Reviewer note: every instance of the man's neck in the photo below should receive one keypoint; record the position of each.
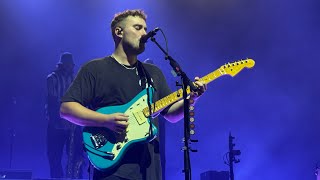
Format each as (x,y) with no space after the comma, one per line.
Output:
(124,58)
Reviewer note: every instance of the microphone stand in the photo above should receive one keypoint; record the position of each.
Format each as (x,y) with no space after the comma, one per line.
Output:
(185,83)
(232,155)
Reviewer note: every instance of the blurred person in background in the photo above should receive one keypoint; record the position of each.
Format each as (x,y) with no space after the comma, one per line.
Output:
(62,136)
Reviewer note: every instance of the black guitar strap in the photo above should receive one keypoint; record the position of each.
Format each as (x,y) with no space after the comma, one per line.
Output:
(146,82)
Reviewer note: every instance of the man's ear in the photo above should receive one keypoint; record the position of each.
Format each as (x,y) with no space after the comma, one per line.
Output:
(118,31)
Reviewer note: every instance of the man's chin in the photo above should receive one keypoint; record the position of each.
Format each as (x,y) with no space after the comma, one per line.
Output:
(140,50)
(135,49)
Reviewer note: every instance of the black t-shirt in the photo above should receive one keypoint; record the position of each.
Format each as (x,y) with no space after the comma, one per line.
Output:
(105,82)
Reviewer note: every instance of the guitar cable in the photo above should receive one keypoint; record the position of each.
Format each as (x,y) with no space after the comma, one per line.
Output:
(103,156)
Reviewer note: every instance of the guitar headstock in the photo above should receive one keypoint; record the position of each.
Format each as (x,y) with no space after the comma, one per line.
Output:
(234,68)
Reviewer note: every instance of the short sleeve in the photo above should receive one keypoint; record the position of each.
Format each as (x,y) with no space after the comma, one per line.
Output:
(82,88)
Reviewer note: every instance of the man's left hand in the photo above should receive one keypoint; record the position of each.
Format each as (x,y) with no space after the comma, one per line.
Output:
(202,87)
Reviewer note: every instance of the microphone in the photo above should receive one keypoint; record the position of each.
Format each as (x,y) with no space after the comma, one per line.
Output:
(150,34)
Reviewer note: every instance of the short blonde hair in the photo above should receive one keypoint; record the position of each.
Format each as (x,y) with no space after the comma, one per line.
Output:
(123,15)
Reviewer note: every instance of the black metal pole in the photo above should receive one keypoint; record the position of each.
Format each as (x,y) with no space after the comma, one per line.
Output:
(231,167)
(187,165)
(231,156)
(185,83)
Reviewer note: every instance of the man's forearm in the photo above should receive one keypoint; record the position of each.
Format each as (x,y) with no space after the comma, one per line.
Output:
(175,112)
(80,115)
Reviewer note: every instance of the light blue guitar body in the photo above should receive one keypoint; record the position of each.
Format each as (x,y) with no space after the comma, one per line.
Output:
(105,148)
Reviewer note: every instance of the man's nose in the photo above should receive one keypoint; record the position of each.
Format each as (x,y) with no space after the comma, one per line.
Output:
(144,32)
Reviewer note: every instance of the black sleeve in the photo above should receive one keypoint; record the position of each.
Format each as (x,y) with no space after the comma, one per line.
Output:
(82,88)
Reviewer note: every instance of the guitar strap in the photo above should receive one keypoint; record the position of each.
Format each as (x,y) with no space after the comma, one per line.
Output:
(147,82)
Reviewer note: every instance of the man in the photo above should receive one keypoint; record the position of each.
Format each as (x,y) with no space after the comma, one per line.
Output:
(62,134)
(115,80)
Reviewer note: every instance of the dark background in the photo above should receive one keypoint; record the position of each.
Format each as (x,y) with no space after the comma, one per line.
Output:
(272,109)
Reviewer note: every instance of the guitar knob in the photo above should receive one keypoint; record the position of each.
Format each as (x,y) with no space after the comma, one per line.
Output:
(118,146)
(126,140)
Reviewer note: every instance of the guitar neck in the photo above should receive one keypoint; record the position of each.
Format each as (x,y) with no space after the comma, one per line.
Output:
(177,95)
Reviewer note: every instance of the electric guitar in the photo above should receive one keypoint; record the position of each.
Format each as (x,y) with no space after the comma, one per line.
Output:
(105,148)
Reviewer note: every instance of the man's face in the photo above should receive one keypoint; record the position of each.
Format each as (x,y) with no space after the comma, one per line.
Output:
(133,28)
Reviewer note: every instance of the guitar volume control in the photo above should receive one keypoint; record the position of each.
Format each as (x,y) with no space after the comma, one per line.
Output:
(118,146)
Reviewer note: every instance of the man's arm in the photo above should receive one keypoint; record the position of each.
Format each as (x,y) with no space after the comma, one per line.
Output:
(175,113)
(80,115)
(76,112)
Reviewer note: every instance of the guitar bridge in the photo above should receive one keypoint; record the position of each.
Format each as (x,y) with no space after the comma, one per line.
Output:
(98,140)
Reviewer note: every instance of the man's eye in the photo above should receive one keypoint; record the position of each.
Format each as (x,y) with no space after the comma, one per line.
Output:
(138,27)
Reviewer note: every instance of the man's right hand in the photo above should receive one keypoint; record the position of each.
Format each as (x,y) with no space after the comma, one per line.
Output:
(117,122)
